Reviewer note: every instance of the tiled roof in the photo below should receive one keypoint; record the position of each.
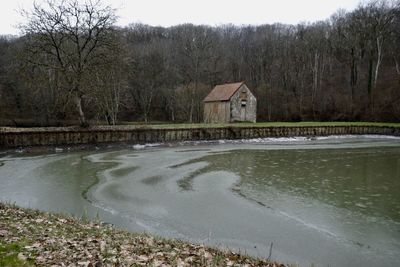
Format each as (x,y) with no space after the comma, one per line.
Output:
(222,92)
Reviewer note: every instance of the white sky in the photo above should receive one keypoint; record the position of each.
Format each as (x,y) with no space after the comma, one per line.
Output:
(211,12)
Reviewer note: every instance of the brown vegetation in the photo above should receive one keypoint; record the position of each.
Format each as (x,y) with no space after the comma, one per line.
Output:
(344,68)
(30,238)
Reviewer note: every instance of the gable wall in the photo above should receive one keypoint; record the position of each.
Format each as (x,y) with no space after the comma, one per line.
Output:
(247,113)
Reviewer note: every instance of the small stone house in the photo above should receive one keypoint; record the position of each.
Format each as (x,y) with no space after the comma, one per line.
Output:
(232,102)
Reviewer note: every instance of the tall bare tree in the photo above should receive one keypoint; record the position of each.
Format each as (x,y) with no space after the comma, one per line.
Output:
(69,37)
(195,44)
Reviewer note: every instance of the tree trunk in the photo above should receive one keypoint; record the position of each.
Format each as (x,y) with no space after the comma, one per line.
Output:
(397,68)
(107,117)
(353,81)
(370,85)
(191,110)
(270,103)
(173,114)
(315,83)
(147,105)
(379,44)
(78,105)
(192,99)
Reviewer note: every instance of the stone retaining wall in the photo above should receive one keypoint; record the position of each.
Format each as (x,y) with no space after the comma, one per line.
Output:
(13,137)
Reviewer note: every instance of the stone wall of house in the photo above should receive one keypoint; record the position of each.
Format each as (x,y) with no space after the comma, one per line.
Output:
(243,105)
(15,137)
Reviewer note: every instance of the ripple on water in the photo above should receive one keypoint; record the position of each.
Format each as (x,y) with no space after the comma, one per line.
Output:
(281,195)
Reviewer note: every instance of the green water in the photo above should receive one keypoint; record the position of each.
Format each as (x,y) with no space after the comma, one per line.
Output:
(326,202)
(363,180)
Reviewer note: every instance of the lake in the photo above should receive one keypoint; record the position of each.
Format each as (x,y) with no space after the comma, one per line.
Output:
(325,201)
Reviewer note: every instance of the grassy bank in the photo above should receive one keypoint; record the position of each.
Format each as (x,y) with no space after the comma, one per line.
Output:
(265,124)
(140,125)
(30,238)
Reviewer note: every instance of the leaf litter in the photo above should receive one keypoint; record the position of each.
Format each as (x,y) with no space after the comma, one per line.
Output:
(46,239)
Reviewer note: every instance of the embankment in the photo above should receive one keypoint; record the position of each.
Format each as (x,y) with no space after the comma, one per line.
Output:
(54,136)
(34,238)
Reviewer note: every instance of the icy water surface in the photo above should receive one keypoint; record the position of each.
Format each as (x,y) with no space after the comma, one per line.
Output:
(328,202)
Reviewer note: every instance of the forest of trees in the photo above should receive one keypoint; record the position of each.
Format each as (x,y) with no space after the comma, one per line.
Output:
(72,65)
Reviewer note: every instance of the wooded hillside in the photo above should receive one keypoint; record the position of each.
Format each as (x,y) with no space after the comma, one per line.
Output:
(75,65)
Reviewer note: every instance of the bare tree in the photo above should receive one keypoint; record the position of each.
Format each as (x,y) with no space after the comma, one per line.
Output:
(195,46)
(373,21)
(110,85)
(73,37)
(147,75)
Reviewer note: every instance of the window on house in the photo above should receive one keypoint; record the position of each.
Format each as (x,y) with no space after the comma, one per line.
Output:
(244,102)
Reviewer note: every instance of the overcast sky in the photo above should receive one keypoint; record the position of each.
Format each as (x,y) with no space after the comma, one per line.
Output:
(211,12)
